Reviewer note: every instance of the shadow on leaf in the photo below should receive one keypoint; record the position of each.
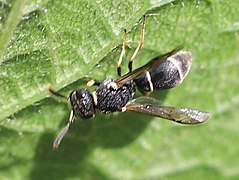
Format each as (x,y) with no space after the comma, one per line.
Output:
(106,131)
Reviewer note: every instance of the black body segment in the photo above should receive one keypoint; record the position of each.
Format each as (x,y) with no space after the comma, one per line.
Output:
(168,74)
(150,66)
(110,100)
(82,103)
(165,71)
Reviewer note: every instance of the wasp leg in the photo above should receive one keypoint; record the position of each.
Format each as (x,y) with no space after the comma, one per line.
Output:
(92,82)
(122,54)
(140,44)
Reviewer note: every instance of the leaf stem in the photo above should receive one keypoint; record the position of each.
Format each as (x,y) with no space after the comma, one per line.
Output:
(10,25)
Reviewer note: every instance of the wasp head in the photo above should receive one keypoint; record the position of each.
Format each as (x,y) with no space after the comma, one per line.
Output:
(82,103)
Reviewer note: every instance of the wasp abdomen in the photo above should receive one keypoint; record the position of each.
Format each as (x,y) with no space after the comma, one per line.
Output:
(169,74)
(111,100)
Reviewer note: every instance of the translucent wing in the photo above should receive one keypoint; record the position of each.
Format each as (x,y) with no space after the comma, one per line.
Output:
(154,63)
(148,106)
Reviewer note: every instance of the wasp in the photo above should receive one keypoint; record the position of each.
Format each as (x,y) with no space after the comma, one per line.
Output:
(112,95)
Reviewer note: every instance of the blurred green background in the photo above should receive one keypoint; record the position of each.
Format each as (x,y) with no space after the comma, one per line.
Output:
(62,42)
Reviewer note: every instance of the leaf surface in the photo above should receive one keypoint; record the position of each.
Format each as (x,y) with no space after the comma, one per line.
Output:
(62,42)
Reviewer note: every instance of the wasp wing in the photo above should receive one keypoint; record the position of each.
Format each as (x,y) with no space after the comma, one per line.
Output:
(148,106)
(154,63)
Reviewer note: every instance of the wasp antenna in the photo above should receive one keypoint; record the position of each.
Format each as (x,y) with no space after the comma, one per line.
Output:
(49,88)
(63,132)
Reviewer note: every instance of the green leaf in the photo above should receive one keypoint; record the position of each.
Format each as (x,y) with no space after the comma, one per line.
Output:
(59,44)
(19,9)
(63,42)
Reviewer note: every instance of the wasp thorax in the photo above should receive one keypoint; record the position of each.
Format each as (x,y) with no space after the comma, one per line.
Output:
(110,99)
(82,103)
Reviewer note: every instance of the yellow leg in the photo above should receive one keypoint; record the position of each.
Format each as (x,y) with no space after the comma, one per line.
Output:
(122,54)
(140,44)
